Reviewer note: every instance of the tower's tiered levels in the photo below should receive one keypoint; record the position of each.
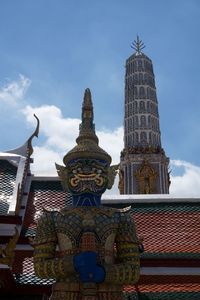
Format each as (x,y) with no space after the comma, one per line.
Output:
(144,166)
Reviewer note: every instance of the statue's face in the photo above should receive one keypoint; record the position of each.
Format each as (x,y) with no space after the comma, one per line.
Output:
(87,176)
(87,180)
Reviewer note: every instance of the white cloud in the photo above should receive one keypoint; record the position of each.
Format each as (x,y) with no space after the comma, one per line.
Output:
(112,142)
(188,183)
(14,91)
(44,161)
(60,134)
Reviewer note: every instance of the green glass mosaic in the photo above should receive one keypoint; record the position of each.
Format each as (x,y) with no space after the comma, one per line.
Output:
(159,207)
(163,296)
(163,255)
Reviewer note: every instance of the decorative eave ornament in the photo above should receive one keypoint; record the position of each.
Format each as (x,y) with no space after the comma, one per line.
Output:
(35,134)
(27,149)
(87,172)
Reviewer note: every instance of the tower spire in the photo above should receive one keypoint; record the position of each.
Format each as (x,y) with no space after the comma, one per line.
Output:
(138,45)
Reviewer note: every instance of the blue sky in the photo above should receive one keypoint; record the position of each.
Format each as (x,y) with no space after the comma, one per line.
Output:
(51,50)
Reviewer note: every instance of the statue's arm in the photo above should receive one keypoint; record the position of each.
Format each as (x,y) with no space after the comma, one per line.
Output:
(127,267)
(46,264)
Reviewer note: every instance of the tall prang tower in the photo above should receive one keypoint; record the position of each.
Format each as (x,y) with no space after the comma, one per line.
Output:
(143,163)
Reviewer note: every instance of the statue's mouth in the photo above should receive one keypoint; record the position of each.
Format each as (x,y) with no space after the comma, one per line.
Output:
(87,178)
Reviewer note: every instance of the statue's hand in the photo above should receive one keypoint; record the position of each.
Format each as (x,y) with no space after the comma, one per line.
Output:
(86,265)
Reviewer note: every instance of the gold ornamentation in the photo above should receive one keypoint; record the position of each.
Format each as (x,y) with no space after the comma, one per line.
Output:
(121,182)
(87,177)
(88,221)
(7,254)
(87,226)
(106,227)
(63,174)
(87,141)
(146,177)
(109,250)
(142,150)
(112,172)
(65,244)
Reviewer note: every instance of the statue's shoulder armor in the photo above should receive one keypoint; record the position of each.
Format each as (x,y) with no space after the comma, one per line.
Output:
(119,211)
(48,216)
(109,211)
(125,210)
(71,212)
(45,231)
(125,214)
(66,210)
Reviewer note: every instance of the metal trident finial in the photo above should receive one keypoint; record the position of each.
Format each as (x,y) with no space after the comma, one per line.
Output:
(138,45)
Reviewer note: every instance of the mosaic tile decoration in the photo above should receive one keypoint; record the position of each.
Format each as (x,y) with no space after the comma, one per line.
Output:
(175,289)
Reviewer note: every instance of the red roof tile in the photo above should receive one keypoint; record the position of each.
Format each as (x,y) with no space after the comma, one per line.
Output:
(166,228)
(43,195)
(169,231)
(165,287)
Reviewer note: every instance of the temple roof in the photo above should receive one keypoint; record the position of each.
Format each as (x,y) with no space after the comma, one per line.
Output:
(170,265)
(170,229)
(14,166)
(8,174)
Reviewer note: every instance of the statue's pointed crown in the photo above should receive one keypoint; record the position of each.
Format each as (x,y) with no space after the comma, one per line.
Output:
(87,141)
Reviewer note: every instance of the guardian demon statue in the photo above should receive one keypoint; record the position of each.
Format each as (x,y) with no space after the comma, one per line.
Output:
(91,250)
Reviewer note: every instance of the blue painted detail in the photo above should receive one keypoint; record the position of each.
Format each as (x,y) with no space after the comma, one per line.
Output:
(86,199)
(84,259)
(86,265)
